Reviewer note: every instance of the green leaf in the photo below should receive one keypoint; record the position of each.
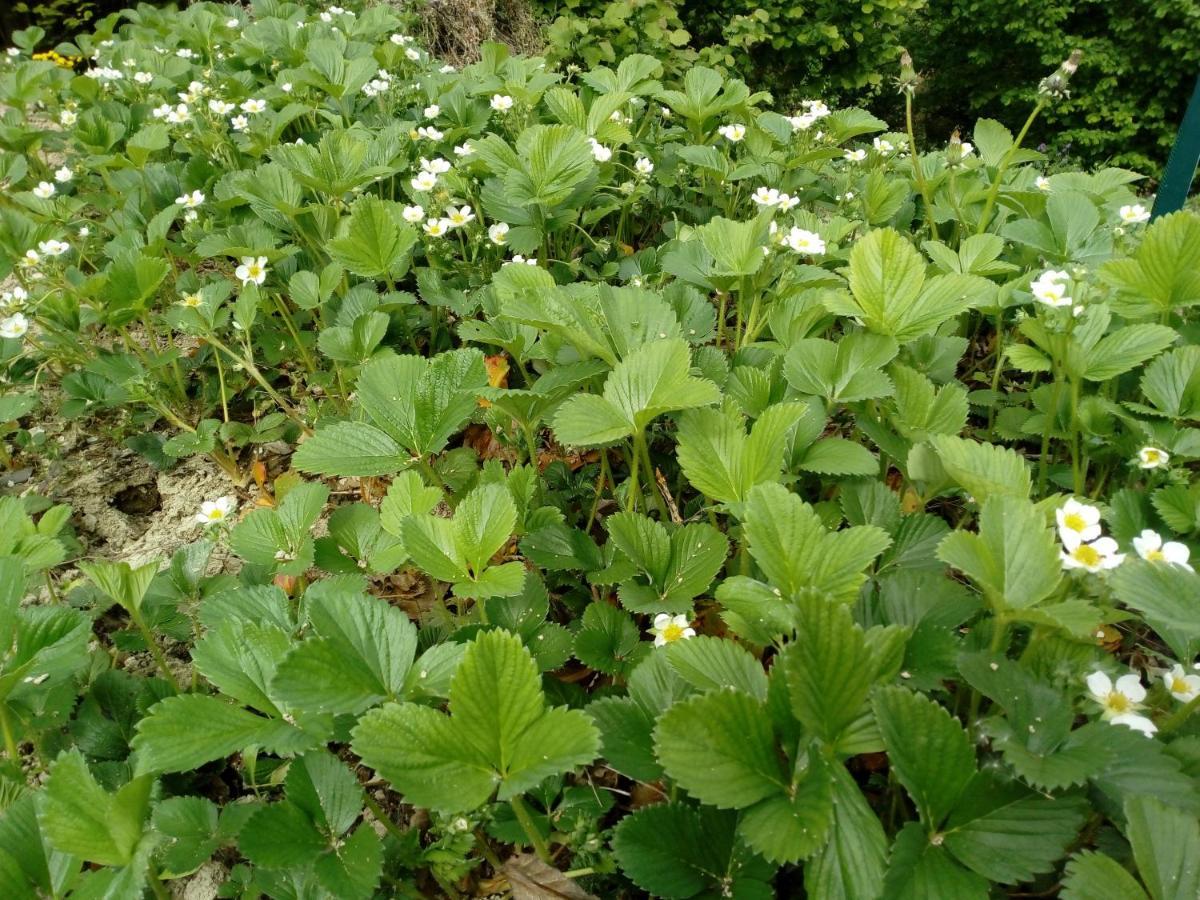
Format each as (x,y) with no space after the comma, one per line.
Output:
(280,836)
(676,851)
(81,818)
(1125,349)
(1013,559)
(360,654)
(1172,383)
(720,747)
(1163,594)
(188,827)
(185,732)
(374,241)
(983,470)
(608,641)
(927,748)
(1166,845)
(350,449)
(1009,834)
(789,541)
(853,862)
(828,670)
(499,733)
(650,381)
(838,456)
(1094,876)
(921,869)
(736,247)
(710,663)
(788,827)
(552,161)
(846,371)
(120,582)
(1164,271)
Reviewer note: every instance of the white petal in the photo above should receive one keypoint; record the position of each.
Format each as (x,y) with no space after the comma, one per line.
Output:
(1131,686)
(1136,722)
(662,620)
(1100,685)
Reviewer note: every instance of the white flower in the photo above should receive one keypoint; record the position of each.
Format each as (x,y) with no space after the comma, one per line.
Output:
(459,217)
(1121,701)
(1184,688)
(14,327)
(855,155)
(1042,183)
(883,147)
(643,166)
(13,51)
(84,231)
(45,190)
(1096,556)
(1050,288)
(220,107)
(31,258)
(765,196)
(437,166)
(429,133)
(63,175)
(425,181)
(253,106)
(501,102)
(232,23)
(190,215)
(668,629)
(53,247)
(160,112)
(326,17)
(1149,546)
(1134,214)
(67,117)
(239,123)
(400,40)
(464,150)
(498,233)
(965,149)
(431,111)
(143,77)
(599,152)
(447,69)
(1077,523)
(805,242)
(179,114)
(191,301)
(787,201)
(732,133)
(412,54)
(286,87)
(413,214)
(184,53)
(518,258)
(252,269)
(1153,458)
(191,201)
(801,122)
(214,511)
(437,227)
(814,108)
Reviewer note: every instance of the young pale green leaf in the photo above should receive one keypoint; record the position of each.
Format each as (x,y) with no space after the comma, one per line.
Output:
(676,851)
(736,247)
(483,522)
(845,371)
(552,161)
(351,449)
(1164,272)
(928,750)
(374,240)
(983,470)
(1125,349)
(720,747)
(1094,876)
(81,818)
(120,582)
(796,552)
(650,381)
(1163,594)
(1013,559)
(499,733)
(718,457)
(1166,845)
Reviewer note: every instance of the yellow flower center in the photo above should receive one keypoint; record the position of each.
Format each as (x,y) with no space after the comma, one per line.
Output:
(215,514)
(1178,685)
(1087,555)
(672,632)
(1151,456)
(1074,521)
(253,271)
(1117,703)
(1155,555)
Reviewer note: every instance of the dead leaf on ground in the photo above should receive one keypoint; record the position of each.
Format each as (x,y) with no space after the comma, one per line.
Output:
(532,879)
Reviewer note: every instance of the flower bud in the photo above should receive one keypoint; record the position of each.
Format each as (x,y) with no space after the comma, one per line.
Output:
(1054,86)
(909,80)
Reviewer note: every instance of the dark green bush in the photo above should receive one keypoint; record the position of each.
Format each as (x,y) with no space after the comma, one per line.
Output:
(61,19)
(1140,60)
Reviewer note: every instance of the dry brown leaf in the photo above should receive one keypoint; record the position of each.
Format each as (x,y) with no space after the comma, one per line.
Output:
(532,879)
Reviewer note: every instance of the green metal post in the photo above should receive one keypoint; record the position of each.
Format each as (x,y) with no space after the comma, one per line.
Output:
(1181,164)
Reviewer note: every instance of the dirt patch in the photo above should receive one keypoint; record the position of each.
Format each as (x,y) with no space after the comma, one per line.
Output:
(203,884)
(455,29)
(124,508)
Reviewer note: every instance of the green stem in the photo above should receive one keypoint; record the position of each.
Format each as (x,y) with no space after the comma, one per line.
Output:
(996,372)
(10,740)
(1043,460)
(430,472)
(155,651)
(1172,722)
(918,172)
(1077,472)
(521,811)
(382,817)
(642,451)
(994,192)
(253,371)
(156,885)
(999,630)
